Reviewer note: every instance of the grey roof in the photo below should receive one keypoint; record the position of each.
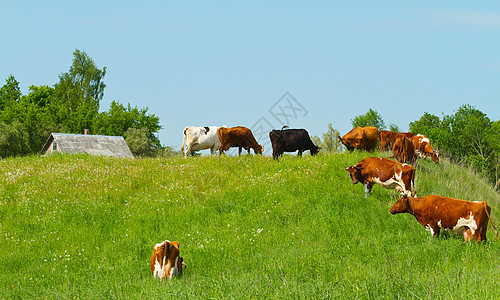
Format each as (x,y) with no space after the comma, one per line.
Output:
(90,144)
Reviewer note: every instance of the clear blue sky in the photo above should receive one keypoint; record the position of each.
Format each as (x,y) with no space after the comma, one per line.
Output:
(232,62)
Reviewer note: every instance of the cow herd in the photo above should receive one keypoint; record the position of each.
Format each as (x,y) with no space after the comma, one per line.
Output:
(434,212)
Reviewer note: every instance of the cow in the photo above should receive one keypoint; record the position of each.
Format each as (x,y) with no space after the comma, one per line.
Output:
(240,137)
(385,172)
(434,212)
(291,140)
(200,138)
(423,148)
(361,138)
(403,150)
(388,138)
(166,260)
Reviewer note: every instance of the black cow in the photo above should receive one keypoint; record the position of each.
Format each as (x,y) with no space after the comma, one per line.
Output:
(291,140)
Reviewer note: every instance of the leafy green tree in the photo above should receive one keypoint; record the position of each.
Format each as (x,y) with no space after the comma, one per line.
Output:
(330,141)
(13,140)
(78,94)
(468,136)
(371,118)
(138,142)
(118,119)
(394,127)
(10,92)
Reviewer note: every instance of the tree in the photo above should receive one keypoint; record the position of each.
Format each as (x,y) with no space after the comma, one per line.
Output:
(468,136)
(13,140)
(394,127)
(371,118)
(138,142)
(10,92)
(78,94)
(118,119)
(331,142)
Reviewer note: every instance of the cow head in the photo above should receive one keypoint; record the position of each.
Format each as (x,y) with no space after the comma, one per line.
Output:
(435,156)
(315,150)
(430,152)
(355,173)
(347,144)
(259,150)
(402,205)
(166,260)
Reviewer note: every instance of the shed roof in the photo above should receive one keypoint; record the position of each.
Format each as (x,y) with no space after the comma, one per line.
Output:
(90,144)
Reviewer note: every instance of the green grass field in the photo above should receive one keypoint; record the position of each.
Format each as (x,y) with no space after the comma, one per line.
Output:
(248,227)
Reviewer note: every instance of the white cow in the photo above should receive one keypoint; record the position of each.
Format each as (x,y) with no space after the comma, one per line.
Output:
(200,138)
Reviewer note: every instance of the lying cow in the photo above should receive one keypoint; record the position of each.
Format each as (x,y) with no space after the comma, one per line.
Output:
(291,140)
(388,138)
(423,148)
(200,138)
(240,137)
(385,172)
(434,212)
(361,138)
(403,150)
(166,260)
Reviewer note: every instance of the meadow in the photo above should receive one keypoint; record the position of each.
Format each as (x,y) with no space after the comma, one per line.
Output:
(76,226)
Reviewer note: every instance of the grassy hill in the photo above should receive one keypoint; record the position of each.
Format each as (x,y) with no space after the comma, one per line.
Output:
(248,227)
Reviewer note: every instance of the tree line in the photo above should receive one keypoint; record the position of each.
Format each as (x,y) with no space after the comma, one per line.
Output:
(467,137)
(70,106)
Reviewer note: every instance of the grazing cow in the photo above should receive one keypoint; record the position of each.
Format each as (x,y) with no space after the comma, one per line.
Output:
(291,140)
(166,260)
(362,138)
(200,138)
(423,148)
(457,216)
(388,138)
(240,137)
(385,172)
(403,150)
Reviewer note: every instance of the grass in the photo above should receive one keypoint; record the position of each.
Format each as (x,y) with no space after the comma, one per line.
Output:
(248,227)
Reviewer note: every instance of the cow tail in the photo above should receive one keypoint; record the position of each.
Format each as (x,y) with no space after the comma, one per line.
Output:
(183,140)
(489,217)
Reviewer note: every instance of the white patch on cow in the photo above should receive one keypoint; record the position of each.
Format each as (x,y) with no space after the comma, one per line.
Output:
(159,271)
(159,244)
(174,270)
(429,228)
(463,224)
(404,164)
(392,183)
(423,139)
(367,191)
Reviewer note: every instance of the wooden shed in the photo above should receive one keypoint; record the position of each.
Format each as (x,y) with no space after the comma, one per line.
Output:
(86,143)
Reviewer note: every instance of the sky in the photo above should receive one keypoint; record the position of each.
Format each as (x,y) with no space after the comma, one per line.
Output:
(265,64)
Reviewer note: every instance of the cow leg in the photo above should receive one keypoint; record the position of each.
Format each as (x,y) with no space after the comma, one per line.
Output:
(433,228)
(212,151)
(300,153)
(368,188)
(186,151)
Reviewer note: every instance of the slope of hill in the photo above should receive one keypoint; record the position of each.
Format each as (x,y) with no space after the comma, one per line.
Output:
(82,226)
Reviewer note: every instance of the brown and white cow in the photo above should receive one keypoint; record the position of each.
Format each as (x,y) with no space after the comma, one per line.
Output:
(434,212)
(388,138)
(166,260)
(385,172)
(404,150)
(361,138)
(423,148)
(240,137)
